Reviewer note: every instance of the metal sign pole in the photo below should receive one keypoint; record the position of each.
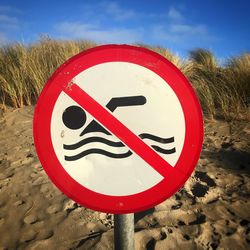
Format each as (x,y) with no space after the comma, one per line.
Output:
(124,231)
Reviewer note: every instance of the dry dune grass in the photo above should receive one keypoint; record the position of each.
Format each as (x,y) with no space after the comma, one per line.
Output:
(223,91)
(25,69)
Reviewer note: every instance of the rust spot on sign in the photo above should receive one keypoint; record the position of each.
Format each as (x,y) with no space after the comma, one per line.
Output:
(69,85)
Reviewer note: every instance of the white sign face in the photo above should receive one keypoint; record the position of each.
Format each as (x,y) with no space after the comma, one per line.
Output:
(138,98)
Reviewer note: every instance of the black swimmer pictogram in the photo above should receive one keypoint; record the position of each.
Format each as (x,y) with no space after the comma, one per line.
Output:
(74,117)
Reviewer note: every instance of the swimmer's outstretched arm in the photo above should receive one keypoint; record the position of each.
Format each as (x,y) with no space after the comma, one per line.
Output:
(125,102)
(114,103)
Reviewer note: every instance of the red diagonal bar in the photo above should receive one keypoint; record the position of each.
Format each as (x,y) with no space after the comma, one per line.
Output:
(104,116)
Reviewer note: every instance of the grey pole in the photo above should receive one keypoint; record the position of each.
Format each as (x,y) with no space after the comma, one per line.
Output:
(124,231)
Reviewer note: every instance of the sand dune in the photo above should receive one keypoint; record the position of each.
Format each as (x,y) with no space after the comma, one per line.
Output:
(211,211)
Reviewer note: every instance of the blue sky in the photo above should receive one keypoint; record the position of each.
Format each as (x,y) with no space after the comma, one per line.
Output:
(180,25)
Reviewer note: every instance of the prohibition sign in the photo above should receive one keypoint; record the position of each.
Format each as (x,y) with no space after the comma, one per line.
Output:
(141,101)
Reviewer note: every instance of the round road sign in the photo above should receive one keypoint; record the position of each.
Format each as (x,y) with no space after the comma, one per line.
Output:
(118,128)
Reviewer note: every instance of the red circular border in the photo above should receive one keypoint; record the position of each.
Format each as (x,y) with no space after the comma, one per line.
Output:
(192,143)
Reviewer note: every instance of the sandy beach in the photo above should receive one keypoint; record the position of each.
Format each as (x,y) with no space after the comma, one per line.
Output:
(211,211)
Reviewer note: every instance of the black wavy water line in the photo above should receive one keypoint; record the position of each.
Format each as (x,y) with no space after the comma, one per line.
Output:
(156,138)
(93,139)
(96,151)
(163,151)
(116,144)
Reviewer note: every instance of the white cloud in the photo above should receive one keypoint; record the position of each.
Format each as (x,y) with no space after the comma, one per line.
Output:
(8,23)
(7,8)
(8,20)
(109,9)
(117,12)
(182,34)
(3,38)
(4,8)
(162,33)
(180,31)
(98,30)
(188,29)
(97,33)
(174,14)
